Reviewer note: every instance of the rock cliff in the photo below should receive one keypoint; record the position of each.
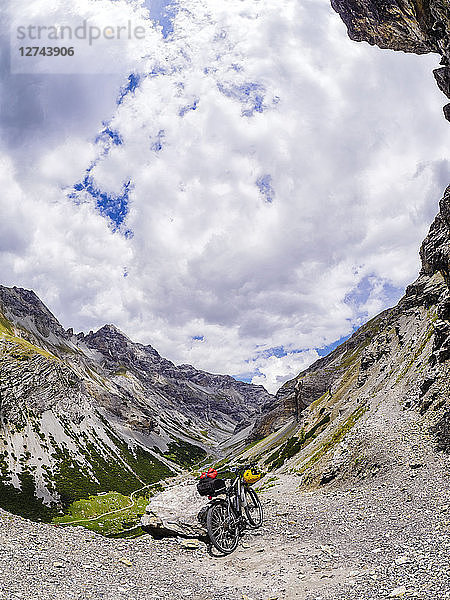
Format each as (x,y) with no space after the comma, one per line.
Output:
(418,26)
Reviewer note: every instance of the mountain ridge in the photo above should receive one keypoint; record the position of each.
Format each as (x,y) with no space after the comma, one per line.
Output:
(86,413)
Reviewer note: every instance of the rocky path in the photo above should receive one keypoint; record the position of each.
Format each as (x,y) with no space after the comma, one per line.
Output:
(387,536)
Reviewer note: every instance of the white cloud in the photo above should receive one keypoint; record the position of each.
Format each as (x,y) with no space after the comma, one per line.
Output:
(276,370)
(352,140)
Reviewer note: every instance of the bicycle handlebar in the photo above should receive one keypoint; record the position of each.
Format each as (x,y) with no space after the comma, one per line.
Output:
(237,468)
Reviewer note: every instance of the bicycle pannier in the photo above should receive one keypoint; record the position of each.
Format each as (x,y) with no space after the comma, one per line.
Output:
(211,487)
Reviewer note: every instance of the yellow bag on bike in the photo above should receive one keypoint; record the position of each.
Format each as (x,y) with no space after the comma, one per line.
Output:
(251,476)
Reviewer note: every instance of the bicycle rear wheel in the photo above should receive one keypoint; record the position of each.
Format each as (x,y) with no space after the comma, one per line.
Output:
(222,527)
(253,508)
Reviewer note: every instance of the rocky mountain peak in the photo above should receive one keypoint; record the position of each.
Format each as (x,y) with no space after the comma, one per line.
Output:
(111,329)
(28,311)
(108,333)
(119,349)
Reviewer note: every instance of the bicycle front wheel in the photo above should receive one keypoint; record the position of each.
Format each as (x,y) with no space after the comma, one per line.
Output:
(222,527)
(253,508)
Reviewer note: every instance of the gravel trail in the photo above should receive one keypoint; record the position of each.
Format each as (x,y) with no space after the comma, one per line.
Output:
(388,534)
(381,533)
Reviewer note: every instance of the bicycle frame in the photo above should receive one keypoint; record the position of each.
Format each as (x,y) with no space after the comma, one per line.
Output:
(236,492)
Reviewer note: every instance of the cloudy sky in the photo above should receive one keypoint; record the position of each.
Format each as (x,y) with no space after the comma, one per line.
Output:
(240,187)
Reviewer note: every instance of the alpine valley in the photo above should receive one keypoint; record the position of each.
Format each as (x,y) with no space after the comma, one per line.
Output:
(85,414)
(356,447)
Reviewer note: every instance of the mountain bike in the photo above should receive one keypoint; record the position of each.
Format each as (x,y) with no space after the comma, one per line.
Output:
(227,517)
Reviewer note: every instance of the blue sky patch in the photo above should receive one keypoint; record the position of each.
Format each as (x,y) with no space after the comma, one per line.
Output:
(115,136)
(264,184)
(198,338)
(189,107)
(110,134)
(163,12)
(113,207)
(130,87)
(249,94)
(157,143)
(328,349)
(365,288)
(156,71)
(246,377)
(277,351)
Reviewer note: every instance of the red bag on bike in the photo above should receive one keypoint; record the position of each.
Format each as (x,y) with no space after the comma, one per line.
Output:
(211,473)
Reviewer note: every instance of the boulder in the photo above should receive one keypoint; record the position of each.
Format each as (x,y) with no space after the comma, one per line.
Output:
(174,512)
